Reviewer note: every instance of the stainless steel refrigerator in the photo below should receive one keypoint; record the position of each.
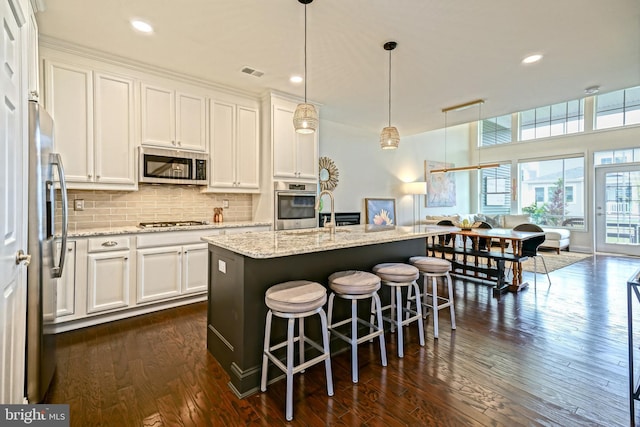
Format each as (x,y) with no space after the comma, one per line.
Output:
(46,178)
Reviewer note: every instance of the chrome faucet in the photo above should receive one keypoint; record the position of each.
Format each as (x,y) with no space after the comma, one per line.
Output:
(331,225)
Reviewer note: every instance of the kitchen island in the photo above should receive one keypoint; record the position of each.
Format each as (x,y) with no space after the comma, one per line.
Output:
(242,267)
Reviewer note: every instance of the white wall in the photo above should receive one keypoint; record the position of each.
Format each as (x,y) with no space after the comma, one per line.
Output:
(368,171)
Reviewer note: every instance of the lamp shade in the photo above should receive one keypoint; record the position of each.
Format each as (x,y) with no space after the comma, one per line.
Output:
(415,187)
(305,118)
(389,138)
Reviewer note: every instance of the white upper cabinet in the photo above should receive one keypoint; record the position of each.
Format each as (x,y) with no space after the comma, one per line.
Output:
(114,130)
(172,118)
(294,155)
(234,147)
(94,126)
(69,100)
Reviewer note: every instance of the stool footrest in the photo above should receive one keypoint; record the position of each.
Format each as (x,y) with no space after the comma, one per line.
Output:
(376,333)
(297,368)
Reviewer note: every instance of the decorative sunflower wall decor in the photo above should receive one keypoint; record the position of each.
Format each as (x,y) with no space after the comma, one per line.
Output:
(328,174)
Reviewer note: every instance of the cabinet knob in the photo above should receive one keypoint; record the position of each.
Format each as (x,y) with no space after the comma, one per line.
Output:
(179,144)
(98,176)
(173,143)
(89,176)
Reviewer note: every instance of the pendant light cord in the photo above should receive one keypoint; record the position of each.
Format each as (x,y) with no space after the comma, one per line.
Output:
(389,88)
(305,53)
(445,139)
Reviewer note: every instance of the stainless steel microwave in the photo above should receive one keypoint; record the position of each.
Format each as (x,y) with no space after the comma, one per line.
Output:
(166,166)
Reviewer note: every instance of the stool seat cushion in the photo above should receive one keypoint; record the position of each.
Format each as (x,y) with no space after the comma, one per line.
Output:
(296,296)
(354,282)
(429,264)
(396,272)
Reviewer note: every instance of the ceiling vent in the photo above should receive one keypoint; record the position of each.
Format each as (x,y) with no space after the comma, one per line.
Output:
(252,71)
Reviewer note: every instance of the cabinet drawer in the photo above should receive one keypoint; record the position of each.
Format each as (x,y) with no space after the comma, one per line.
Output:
(168,238)
(108,243)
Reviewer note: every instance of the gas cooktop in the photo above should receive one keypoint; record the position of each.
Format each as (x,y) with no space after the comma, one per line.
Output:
(171,224)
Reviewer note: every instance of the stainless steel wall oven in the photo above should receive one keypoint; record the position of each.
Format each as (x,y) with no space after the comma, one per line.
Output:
(295,205)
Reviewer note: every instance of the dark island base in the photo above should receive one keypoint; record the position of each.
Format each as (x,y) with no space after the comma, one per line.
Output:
(236,312)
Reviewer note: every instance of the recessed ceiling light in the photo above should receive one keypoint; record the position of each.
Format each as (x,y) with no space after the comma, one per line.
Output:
(532,58)
(592,90)
(141,26)
(295,79)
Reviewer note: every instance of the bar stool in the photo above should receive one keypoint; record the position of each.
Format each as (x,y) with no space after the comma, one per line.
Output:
(433,268)
(295,300)
(356,285)
(398,276)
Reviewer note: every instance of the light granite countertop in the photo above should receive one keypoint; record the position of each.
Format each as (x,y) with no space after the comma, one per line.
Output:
(94,232)
(273,244)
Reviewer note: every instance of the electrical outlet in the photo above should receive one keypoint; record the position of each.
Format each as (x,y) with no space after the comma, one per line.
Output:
(225,203)
(78,205)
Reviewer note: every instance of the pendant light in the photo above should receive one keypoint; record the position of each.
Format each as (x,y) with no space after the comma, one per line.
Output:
(389,137)
(305,118)
(479,166)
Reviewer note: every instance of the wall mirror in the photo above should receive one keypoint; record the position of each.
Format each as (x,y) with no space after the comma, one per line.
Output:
(328,174)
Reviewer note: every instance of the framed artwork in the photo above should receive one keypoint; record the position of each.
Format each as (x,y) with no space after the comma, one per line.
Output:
(380,211)
(441,187)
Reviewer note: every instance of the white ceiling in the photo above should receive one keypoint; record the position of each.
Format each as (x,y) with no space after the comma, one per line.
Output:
(449,51)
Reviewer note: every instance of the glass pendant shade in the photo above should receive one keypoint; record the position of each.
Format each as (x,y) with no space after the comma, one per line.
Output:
(305,118)
(389,138)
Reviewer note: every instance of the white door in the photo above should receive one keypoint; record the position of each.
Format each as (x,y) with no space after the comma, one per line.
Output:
(195,268)
(617,215)
(13,190)
(114,130)
(248,149)
(190,122)
(108,281)
(159,273)
(222,118)
(158,116)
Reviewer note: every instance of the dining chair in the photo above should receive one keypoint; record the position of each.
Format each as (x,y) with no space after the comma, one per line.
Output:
(530,248)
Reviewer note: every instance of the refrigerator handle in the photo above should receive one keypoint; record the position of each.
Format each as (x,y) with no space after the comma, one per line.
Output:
(57,161)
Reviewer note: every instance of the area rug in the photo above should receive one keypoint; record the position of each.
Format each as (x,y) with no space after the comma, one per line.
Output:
(554,261)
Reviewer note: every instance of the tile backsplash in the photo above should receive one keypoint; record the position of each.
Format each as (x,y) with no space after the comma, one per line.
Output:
(104,209)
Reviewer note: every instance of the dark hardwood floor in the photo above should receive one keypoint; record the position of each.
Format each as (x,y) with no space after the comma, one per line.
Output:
(548,357)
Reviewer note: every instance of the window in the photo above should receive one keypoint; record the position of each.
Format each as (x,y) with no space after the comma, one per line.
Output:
(552,120)
(620,108)
(496,130)
(616,156)
(495,194)
(547,188)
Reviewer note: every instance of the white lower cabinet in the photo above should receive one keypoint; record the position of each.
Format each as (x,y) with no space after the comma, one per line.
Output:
(65,295)
(108,274)
(117,276)
(196,266)
(172,264)
(159,273)
(166,272)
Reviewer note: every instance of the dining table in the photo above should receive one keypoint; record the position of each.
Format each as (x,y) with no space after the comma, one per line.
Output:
(482,253)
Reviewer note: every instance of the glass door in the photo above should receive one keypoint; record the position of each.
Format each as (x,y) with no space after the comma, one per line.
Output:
(617,212)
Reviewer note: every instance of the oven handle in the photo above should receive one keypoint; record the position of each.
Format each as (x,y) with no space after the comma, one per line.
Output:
(295,193)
